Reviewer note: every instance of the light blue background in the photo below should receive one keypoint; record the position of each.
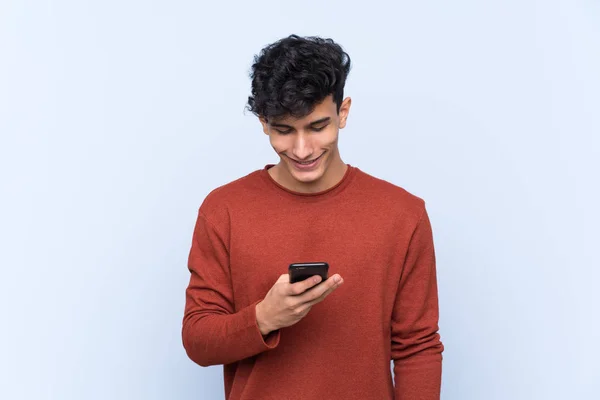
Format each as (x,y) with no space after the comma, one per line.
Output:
(118,117)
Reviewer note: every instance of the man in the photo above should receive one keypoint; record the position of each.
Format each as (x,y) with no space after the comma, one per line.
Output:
(312,340)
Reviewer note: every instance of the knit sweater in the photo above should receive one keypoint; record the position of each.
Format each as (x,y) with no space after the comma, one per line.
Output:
(375,234)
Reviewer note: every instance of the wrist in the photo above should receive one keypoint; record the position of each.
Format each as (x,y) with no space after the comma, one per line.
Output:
(263,326)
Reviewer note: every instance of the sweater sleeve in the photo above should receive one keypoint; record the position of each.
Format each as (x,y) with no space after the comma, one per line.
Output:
(416,346)
(213,331)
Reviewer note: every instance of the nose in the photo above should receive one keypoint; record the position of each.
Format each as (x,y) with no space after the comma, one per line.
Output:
(302,148)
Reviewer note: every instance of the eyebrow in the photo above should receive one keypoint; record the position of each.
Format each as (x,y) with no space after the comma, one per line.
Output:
(319,121)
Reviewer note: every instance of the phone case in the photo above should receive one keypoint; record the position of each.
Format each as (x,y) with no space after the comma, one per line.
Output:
(301,271)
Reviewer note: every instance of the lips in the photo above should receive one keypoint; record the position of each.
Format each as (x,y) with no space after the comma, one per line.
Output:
(307,162)
(310,166)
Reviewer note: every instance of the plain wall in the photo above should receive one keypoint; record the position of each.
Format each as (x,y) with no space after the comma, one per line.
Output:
(118,117)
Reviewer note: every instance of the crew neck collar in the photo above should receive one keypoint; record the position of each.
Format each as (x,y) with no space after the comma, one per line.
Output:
(303,196)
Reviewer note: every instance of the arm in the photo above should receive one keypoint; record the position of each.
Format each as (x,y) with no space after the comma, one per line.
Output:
(213,332)
(416,346)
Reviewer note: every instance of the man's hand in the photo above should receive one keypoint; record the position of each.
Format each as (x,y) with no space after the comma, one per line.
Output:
(287,303)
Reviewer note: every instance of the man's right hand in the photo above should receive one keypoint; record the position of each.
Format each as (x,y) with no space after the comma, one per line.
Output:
(287,303)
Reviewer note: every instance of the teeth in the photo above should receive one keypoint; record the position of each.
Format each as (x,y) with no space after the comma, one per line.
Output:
(307,162)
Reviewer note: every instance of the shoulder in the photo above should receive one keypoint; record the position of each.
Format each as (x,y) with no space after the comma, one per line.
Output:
(391,196)
(217,203)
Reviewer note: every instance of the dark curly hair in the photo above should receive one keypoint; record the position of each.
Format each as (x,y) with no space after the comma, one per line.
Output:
(291,76)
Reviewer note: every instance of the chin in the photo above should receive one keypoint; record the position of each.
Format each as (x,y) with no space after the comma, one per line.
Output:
(307,177)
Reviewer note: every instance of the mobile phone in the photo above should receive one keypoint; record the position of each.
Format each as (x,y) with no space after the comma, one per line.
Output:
(301,271)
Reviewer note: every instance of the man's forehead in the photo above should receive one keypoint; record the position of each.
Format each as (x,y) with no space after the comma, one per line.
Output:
(324,109)
(291,120)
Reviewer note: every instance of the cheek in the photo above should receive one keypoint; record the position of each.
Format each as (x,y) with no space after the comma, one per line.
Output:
(330,139)
(278,143)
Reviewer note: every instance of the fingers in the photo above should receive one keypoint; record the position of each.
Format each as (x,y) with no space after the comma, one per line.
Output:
(320,292)
(324,295)
(302,286)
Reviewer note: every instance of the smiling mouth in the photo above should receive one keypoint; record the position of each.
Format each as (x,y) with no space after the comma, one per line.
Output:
(307,162)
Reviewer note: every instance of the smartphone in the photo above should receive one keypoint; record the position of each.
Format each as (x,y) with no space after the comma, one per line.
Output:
(301,271)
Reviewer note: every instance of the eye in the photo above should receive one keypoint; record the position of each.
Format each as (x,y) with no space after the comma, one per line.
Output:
(284,132)
(320,128)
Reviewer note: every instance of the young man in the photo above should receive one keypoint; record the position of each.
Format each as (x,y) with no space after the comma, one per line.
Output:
(309,340)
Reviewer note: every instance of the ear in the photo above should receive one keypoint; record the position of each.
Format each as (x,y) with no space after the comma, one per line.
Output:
(264,124)
(344,111)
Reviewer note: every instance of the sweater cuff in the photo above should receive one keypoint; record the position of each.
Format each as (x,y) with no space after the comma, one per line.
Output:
(256,341)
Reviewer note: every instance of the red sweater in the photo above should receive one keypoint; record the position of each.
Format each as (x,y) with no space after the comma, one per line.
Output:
(376,235)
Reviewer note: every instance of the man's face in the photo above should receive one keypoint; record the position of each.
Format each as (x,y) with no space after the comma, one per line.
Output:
(308,147)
